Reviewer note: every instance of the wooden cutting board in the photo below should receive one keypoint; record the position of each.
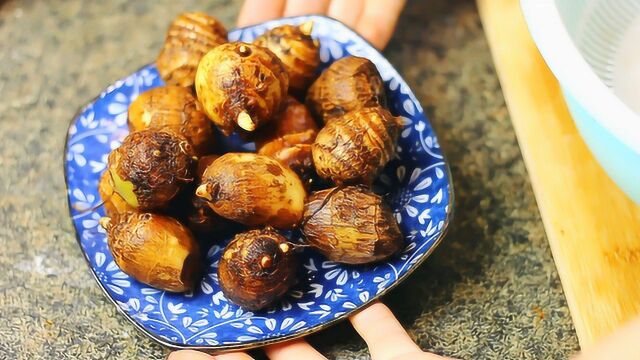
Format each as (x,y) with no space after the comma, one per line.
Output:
(592,227)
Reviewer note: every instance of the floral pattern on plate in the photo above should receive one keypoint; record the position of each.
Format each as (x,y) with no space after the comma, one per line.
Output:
(417,182)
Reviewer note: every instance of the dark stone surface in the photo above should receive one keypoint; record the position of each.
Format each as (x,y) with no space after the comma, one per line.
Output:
(490,290)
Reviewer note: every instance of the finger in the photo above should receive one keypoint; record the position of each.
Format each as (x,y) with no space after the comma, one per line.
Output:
(382,332)
(623,344)
(189,355)
(293,350)
(256,11)
(305,7)
(347,11)
(197,355)
(232,356)
(378,20)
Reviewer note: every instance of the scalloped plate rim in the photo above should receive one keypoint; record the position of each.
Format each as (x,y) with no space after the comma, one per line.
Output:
(311,330)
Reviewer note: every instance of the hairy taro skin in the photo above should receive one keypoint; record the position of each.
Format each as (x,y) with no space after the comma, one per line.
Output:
(241,85)
(257,268)
(298,51)
(288,138)
(201,219)
(354,148)
(198,215)
(253,190)
(151,167)
(351,225)
(114,204)
(294,118)
(296,154)
(173,108)
(347,84)
(203,164)
(154,249)
(189,37)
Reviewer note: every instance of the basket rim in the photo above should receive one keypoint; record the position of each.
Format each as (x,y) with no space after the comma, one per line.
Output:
(576,76)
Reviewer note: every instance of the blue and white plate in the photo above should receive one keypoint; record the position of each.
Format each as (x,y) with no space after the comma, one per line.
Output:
(418,183)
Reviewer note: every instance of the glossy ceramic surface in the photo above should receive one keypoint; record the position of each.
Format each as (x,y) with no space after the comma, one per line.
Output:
(417,182)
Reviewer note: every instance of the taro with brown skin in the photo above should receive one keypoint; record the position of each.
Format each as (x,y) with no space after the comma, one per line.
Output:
(198,215)
(241,86)
(257,268)
(173,108)
(351,225)
(354,148)
(296,155)
(203,164)
(348,84)
(154,249)
(253,190)
(202,220)
(114,204)
(297,50)
(288,138)
(293,119)
(189,38)
(151,167)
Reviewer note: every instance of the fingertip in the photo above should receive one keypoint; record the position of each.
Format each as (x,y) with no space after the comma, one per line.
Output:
(293,350)
(189,355)
(347,11)
(383,333)
(378,37)
(378,21)
(305,7)
(197,355)
(257,11)
(233,356)
(371,313)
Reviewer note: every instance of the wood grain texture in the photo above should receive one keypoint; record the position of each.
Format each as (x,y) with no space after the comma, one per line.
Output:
(592,227)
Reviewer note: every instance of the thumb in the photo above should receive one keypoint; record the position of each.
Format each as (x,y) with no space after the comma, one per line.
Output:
(189,355)
(196,355)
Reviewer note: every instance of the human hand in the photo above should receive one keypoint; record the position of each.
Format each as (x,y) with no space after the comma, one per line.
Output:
(382,332)
(621,345)
(375,20)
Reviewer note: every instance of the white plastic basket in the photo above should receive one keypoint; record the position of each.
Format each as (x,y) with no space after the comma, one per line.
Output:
(583,41)
(605,33)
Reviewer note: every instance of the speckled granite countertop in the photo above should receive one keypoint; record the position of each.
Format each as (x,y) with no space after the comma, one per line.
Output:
(490,291)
